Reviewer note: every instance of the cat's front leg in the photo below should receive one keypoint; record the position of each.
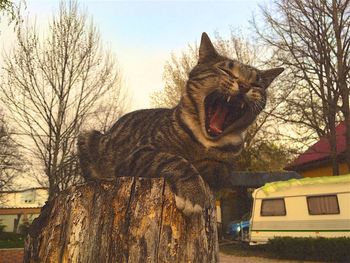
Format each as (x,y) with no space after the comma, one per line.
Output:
(191,194)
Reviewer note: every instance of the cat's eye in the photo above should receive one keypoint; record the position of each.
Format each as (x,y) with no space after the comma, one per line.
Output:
(230,65)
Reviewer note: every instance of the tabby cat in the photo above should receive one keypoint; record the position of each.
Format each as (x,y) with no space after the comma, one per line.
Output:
(194,142)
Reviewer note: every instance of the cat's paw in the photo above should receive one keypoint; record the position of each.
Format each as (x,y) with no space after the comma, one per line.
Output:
(192,202)
(186,206)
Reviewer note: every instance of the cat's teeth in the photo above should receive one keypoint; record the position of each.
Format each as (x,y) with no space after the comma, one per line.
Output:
(242,105)
(228,99)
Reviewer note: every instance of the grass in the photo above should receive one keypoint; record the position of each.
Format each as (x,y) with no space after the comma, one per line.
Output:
(11,240)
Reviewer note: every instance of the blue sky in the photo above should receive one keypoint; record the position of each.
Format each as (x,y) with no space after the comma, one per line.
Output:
(142,34)
(167,24)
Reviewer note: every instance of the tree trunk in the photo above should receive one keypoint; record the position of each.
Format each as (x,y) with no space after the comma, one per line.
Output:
(346,114)
(16,223)
(347,140)
(332,140)
(130,220)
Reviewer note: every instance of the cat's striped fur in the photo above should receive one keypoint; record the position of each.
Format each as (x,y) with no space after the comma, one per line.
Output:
(195,141)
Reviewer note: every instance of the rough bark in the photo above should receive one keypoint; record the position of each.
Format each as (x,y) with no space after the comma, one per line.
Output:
(130,220)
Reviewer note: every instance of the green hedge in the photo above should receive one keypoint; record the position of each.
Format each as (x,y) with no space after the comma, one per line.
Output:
(11,240)
(319,249)
(313,249)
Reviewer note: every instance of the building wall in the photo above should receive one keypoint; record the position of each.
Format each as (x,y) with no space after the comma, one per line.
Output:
(28,198)
(9,221)
(325,170)
(11,255)
(23,201)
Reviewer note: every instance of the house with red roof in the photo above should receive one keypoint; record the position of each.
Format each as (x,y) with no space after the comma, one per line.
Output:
(316,161)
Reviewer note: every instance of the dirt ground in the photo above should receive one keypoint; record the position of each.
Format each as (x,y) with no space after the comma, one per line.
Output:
(237,259)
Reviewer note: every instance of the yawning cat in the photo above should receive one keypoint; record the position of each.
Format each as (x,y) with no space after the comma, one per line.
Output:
(194,142)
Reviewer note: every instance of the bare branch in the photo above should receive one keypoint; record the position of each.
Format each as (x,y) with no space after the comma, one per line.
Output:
(53,85)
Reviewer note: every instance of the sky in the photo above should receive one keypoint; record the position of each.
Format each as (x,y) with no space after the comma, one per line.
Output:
(143,34)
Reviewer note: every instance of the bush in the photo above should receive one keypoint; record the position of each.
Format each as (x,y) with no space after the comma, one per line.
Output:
(313,249)
(11,240)
(319,249)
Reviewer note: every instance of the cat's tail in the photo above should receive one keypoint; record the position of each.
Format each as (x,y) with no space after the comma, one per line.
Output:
(88,152)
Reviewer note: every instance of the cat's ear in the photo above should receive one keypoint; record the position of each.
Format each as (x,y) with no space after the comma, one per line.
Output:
(267,76)
(207,51)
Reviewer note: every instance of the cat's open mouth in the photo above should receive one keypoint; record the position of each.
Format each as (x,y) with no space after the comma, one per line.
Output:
(221,111)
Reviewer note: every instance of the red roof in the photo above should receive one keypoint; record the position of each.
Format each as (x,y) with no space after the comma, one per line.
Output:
(321,149)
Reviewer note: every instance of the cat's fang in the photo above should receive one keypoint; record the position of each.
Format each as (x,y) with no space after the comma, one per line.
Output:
(223,71)
(228,99)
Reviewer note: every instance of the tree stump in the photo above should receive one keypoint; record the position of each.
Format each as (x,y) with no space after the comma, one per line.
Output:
(130,220)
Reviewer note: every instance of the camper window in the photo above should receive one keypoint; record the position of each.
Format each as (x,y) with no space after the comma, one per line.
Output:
(273,207)
(323,205)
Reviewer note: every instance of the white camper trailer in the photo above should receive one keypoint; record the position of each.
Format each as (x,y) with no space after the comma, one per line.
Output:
(308,207)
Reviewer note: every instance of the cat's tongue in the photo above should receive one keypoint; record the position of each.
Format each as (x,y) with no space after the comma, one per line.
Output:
(217,120)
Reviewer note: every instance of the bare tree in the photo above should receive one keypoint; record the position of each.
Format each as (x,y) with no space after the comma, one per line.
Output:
(52,86)
(312,38)
(9,8)
(103,115)
(175,76)
(263,137)
(11,162)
